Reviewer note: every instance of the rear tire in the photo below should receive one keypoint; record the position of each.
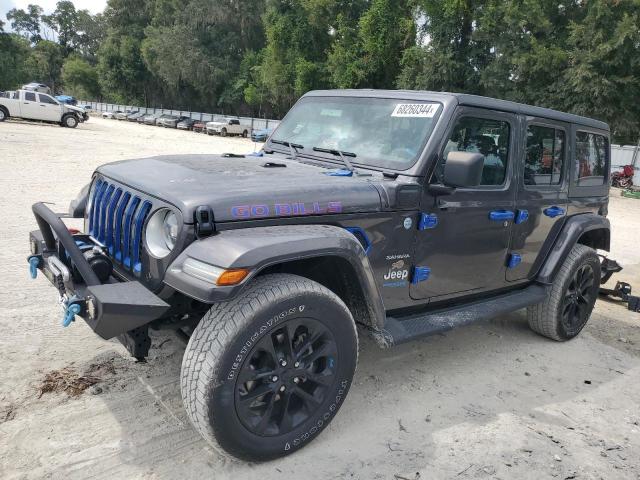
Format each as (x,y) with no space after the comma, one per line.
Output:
(573,294)
(245,134)
(3,114)
(263,374)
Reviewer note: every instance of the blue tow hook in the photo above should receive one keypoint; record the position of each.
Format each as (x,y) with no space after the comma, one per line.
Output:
(34,263)
(70,313)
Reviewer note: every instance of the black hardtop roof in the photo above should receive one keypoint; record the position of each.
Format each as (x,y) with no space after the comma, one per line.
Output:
(468,100)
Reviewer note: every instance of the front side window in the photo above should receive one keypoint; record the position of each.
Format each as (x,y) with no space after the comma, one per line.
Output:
(592,158)
(544,156)
(47,99)
(381,132)
(487,137)
(30,96)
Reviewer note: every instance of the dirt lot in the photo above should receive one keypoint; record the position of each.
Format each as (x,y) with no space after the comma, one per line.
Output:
(489,401)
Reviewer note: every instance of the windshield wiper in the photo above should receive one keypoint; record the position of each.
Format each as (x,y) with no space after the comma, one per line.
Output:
(339,153)
(293,147)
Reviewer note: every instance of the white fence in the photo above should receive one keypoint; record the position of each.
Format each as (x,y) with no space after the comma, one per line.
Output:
(253,123)
(625,155)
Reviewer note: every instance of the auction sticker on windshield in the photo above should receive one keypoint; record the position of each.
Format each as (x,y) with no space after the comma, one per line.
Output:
(425,110)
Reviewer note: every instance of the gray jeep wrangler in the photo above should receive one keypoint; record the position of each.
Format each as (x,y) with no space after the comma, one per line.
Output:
(408,213)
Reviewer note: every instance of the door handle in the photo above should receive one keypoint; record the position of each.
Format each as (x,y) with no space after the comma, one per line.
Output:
(501,215)
(553,211)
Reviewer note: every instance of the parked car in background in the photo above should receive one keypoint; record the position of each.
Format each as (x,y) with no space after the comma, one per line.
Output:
(171,121)
(37,87)
(110,114)
(133,117)
(186,124)
(87,108)
(124,115)
(152,118)
(199,127)
(229,126)
(261,135)
(32,105)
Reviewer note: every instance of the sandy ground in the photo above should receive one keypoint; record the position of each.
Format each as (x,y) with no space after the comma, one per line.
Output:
(492,400)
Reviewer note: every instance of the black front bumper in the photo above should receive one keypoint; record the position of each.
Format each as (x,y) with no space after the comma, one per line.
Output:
(110,308)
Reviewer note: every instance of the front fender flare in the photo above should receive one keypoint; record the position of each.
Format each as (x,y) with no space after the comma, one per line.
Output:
(572,230)
(261,247)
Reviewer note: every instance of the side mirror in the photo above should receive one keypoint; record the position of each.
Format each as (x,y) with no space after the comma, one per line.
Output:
(463,169)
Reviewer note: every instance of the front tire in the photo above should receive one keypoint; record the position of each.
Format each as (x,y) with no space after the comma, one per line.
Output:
(573,295)
(263,374)
(69,121)
(223,132)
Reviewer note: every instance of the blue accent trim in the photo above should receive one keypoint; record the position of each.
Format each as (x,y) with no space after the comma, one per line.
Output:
(128,219)
(365,237)
(420,274)
(96,209)
(428,221)
(501,215)
(137,238)
(521,216)
(94,197)
(116,248)
(340,173)
(554,211)
(34,263)
(514,260)
(110,213)
(102,230)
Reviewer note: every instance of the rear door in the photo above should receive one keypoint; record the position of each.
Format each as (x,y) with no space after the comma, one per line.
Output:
(541,204)
(466,244)
(29,107)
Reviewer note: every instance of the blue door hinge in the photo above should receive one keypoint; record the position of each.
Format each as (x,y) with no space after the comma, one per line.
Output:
(428,221)
(514,260)
(420,274)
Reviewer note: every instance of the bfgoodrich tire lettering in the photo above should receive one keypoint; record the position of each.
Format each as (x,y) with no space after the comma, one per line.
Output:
(568,307)
(228,342)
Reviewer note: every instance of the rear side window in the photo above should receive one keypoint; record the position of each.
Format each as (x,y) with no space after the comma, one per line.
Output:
(592,158)
(30,96)
(487,137)
(544,156)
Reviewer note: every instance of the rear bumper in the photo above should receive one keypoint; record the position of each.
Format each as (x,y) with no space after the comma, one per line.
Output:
(110,308)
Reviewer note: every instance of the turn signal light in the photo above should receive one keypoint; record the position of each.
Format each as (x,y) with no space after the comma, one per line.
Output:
(232,277)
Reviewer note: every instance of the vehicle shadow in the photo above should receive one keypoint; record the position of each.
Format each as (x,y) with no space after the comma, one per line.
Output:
(401,405)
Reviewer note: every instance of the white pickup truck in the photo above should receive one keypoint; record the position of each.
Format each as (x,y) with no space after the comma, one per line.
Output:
(228,126)
(40,106)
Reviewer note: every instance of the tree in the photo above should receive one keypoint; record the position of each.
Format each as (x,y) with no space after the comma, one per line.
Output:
(14,51)
(63,21)
(80,78)
(26,23)
(44,63)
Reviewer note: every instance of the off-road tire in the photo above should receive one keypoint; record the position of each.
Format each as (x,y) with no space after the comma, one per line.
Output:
(3,114)
(69,121)
(229,336)
(547,318)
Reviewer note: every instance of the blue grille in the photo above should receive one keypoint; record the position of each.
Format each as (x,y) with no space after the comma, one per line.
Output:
(116,219)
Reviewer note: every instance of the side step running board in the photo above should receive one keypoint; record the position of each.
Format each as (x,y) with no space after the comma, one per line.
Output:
(399,330)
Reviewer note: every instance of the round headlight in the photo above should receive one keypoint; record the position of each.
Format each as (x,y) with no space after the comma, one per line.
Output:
(161,233)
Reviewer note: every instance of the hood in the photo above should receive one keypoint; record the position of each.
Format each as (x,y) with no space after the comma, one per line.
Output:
(243,188)
(74,108)
(215,124)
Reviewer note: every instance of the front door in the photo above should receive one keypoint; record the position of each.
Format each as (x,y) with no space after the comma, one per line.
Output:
(542,195)
(465,241)
(50,109)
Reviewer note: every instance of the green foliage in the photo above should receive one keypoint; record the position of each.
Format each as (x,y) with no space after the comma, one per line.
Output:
(80,78)
(259,56)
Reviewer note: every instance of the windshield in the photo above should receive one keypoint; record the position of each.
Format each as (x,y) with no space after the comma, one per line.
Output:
(381,132)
